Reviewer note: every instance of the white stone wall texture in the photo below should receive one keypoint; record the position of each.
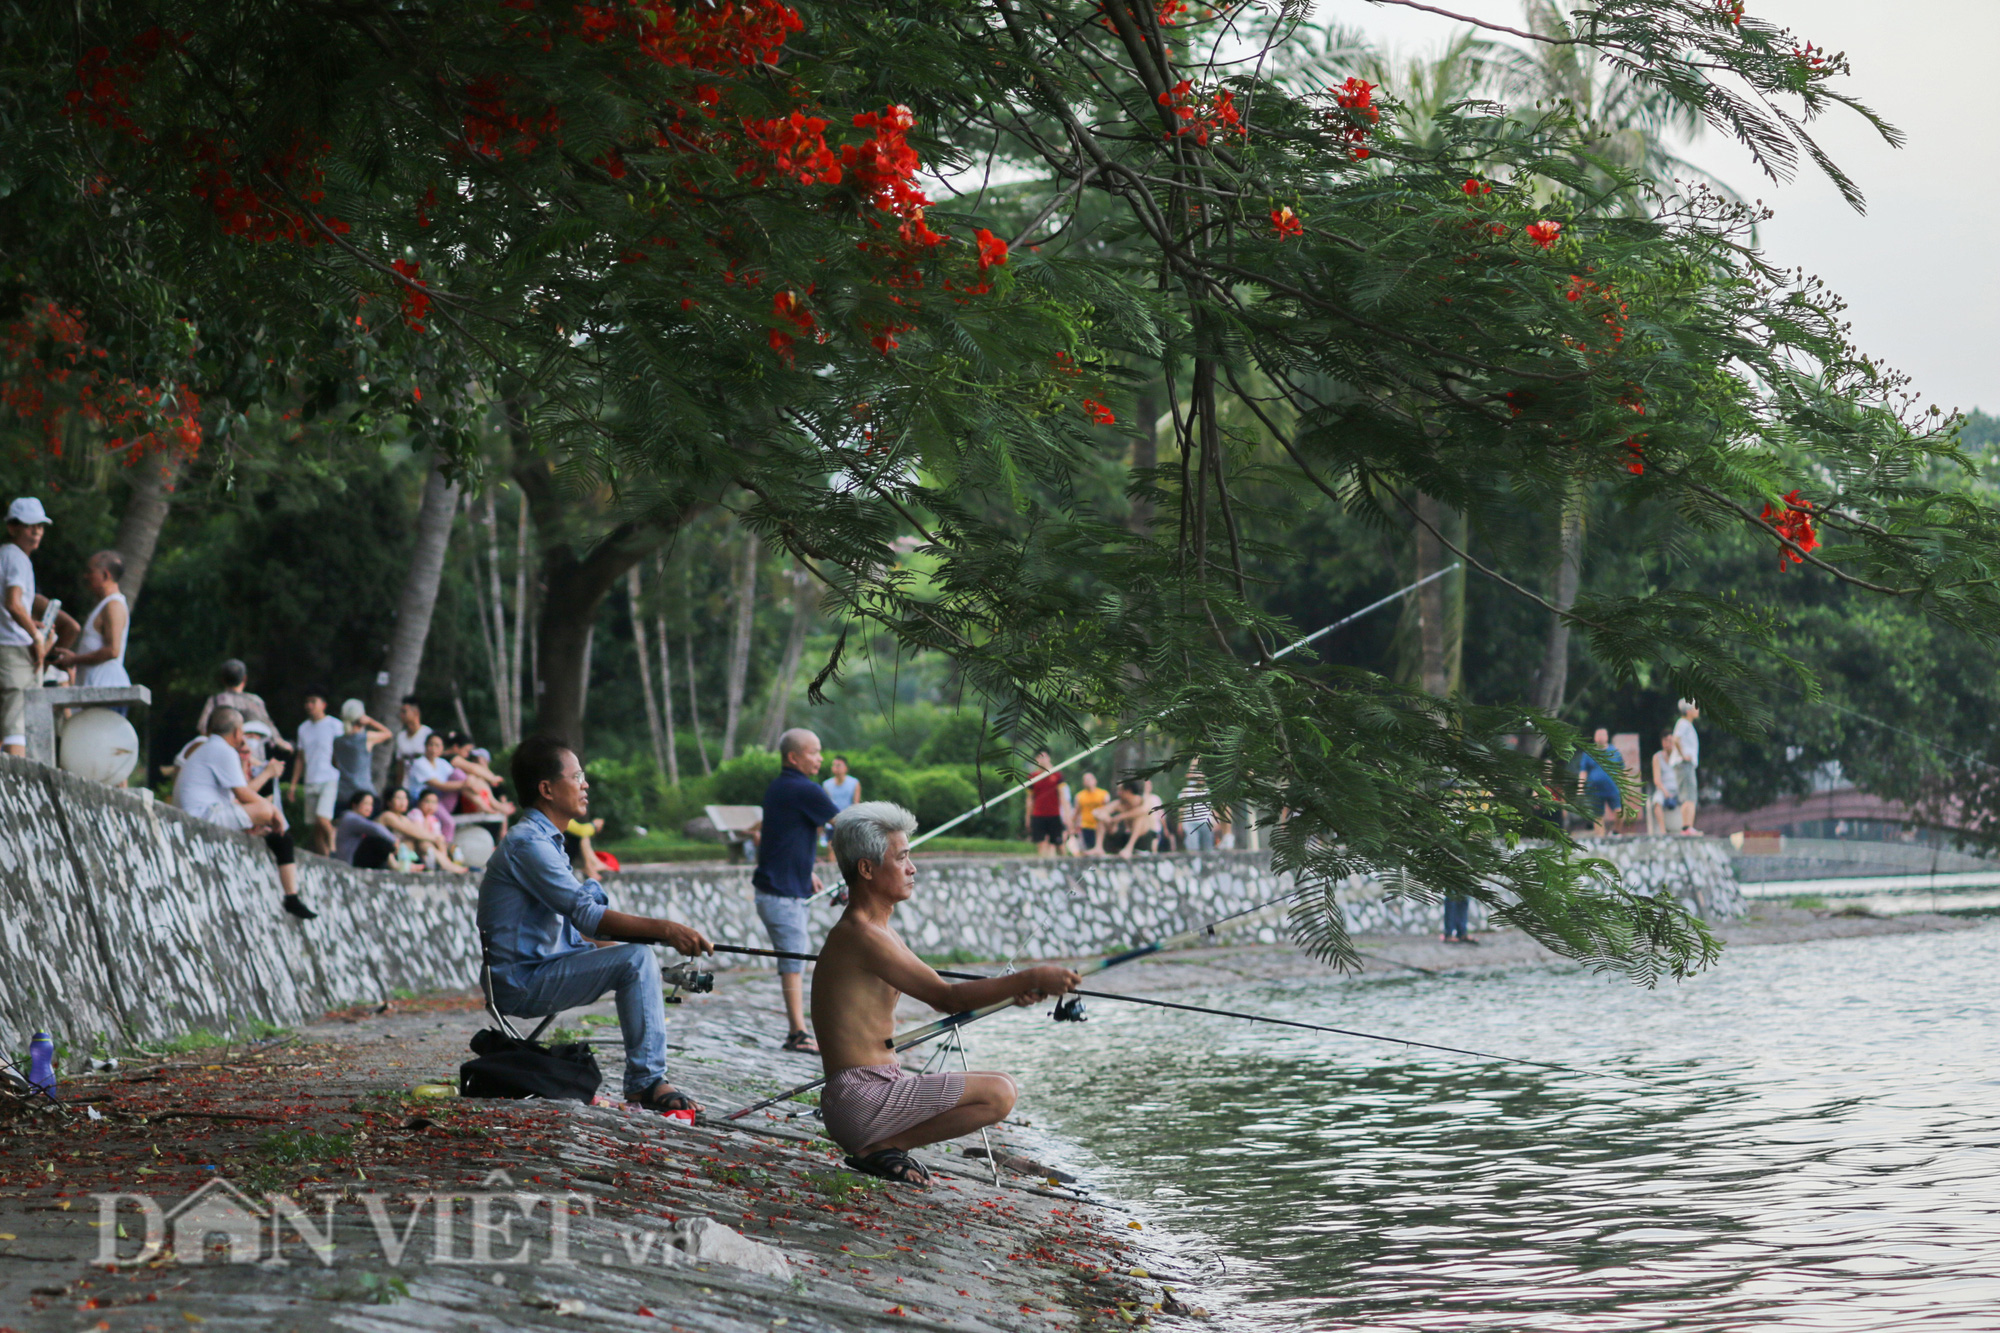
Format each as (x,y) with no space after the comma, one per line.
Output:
(125,917)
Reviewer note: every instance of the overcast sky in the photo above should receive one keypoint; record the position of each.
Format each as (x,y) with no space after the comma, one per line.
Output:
(1921,270)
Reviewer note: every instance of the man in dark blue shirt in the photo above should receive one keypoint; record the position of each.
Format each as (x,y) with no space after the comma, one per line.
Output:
(796,808)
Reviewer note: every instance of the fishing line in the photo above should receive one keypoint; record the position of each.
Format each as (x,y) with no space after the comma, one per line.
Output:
(1233,1013)
(917,1036)
(1019,787)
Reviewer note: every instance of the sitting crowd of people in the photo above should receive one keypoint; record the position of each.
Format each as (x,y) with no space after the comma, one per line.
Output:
(231,774)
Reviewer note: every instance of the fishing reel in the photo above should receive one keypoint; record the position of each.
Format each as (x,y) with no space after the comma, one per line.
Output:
(686,976)
(1069,1009)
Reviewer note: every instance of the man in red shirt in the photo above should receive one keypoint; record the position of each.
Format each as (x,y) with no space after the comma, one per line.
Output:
(1048,798)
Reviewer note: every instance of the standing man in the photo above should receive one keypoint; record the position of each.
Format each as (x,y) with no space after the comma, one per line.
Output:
(100,647)
(315,769)
(874,1108)
(1088,799)
(537,924)
(1047,795)
(350,753)
(23,646)
(410,738)
(1687,776)
(796,808)
(1600,789)
(841,789)
(215,784)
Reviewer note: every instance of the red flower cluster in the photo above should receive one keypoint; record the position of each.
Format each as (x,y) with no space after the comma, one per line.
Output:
(258,213)
(884,340)
(492,128)
(1545,233)
(1731,10)
(1098,412)
(1611,311)
(103,92)
(789,308)
(1795,525)
(885,168)
(1636,464)
(50,373)
(992,249)
(1357,98)
(1286,223)
(796,145)
(416,301)
(1219,117)
(1476,189)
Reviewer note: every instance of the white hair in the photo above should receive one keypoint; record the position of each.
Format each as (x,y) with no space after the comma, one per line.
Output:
(861,833)
(794,741)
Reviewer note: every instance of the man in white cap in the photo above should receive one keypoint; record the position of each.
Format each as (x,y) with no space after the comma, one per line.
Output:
(23,646)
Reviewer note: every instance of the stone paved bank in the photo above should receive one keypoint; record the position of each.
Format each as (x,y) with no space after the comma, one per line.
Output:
(352,1204)
(120,916)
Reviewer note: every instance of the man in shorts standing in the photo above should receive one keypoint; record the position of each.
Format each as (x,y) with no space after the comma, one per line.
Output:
(1047,795)
(315,769)
(1088,798)
(872,1106)
(796,808)
(23,646)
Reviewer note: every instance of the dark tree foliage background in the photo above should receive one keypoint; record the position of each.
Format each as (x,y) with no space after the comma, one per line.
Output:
(1209,339)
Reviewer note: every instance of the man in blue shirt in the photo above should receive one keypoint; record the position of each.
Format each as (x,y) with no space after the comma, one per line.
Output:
(1601,794)
(536,923)
(796,808)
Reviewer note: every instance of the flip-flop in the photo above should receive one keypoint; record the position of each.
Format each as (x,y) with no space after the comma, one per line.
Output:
(894,1165)
(802,1042)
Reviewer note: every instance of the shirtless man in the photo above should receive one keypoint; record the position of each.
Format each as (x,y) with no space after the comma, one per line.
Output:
(873,1107)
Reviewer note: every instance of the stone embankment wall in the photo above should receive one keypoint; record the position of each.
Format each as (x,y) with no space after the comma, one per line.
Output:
(122,916)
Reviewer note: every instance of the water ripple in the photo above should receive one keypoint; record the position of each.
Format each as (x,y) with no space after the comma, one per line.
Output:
(1813,1149)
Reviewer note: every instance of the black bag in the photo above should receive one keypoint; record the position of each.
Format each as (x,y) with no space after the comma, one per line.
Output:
(508,1067)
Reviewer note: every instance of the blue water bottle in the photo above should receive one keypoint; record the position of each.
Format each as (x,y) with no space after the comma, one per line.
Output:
(42,1063)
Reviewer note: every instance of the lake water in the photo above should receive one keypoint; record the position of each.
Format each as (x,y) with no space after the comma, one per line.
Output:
(1816,1144)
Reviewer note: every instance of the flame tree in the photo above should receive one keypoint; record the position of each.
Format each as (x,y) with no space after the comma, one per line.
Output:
(696,239)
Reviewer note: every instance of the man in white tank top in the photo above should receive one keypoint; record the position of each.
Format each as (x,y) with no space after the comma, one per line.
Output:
(99,654)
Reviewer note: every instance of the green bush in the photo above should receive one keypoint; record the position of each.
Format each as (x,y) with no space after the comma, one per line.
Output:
(625,794)
(884,782)
(743,779)
(940,794)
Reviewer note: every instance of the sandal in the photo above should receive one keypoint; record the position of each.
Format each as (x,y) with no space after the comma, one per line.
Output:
(894,1165)
(802,1042)
(667,1102)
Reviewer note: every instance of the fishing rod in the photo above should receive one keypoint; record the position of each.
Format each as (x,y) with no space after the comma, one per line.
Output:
(1372,606)
(1232,1013)
(1085,754)
(951,1022)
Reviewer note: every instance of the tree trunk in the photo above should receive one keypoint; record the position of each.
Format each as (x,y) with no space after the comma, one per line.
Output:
(644,659)
(139,526)
(501,657)
(576,576)
(1145,456)
(739,645)
(1433,667)
(694,709)
(522,618)
(667,683)
(803,605)
(418,600)
(1552,681)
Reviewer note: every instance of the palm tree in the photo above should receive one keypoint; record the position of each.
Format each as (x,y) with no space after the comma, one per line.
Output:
(1627,128)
